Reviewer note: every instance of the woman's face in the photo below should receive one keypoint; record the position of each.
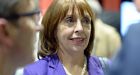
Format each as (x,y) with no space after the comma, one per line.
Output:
(73,32)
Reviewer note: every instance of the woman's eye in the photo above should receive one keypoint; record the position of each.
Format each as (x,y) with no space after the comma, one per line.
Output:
(69,20)
(86,20)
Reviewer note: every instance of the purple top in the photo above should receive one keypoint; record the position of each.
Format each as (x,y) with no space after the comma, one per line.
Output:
(50,65)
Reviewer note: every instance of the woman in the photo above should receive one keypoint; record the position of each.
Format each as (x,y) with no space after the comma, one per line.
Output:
(67,41)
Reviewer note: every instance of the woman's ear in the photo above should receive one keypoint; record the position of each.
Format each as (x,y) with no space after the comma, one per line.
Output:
(5,39)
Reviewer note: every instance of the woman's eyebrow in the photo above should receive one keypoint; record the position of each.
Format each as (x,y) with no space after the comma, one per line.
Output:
(87,16)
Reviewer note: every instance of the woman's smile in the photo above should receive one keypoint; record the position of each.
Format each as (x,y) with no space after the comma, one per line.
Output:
(77,40)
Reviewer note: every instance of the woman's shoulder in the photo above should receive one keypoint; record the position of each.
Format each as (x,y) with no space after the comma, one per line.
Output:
(39,66)
(95,64)
(95,59)
(37,63)
(102,63)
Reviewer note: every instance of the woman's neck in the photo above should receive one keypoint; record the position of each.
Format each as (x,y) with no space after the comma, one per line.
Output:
(73,59)
(73,63)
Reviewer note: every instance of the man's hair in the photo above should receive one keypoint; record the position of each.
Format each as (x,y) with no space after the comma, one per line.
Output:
(7,8)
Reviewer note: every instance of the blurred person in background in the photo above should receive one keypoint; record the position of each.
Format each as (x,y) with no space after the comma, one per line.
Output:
(18,24)
(107,39)
(67,41)
(129,14)
(111,18)
(127,60)
(111,13)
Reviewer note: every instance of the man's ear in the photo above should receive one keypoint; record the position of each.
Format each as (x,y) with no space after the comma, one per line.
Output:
(5,39)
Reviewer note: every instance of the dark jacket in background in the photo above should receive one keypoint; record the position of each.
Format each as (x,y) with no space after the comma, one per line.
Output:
(128,60)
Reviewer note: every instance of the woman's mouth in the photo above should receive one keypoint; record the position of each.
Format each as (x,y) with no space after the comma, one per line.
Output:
(77,41)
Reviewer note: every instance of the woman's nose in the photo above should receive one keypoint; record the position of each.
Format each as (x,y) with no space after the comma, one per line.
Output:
(79,27)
